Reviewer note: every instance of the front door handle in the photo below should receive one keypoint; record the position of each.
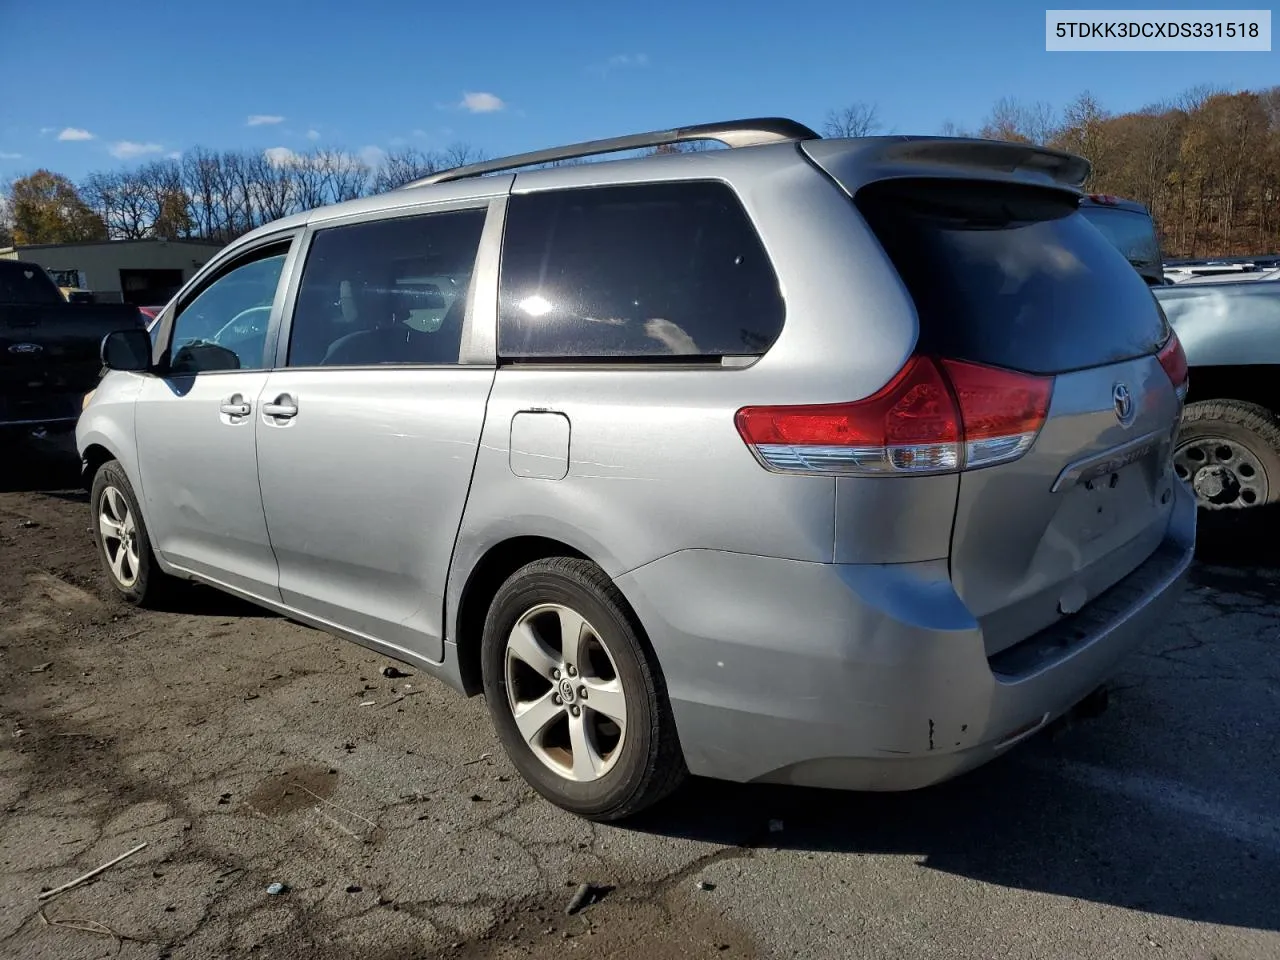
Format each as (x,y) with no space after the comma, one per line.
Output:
(284,407)
(234,406)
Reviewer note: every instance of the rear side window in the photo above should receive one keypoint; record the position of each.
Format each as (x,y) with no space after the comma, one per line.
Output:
(26,283)
(649,271)
(1012,276)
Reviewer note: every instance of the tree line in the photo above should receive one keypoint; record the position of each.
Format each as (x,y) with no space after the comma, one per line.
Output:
(1206,163)
(214,195)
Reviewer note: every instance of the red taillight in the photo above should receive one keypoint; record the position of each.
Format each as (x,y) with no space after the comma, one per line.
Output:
(1174,360)
(932,417)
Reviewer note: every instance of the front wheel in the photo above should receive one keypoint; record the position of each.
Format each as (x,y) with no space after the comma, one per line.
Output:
(575,694)
(1229,452)
(121,537)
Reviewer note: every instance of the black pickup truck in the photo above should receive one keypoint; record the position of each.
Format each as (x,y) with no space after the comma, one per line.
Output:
(49,351)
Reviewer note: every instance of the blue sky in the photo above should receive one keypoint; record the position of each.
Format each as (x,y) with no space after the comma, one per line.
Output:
(97,85)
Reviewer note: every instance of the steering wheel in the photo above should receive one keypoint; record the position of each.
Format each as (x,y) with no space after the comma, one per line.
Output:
(238,318)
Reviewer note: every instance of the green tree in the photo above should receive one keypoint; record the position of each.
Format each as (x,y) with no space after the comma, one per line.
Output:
(45,207)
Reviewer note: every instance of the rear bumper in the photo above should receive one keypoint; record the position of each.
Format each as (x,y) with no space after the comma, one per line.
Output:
(872,677)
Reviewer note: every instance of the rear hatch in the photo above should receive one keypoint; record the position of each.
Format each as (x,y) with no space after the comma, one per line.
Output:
(1067,368)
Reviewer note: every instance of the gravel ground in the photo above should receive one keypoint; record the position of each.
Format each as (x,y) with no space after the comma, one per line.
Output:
(245,750)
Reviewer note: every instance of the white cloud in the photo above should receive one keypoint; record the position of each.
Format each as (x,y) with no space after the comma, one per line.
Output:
(372,155)
(174,155)
(129,149)
(280,156)
(45,131)
(264,120)
(75,133)
(481,102)
(313,134)
(621,61)
(420,134)
(10,156)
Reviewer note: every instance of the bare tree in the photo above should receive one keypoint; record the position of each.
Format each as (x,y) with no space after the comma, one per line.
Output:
(405,165)
(120,199)
(346,177)
(1193,98)
(461,154)
(855,120)
(951,129)
(1011,119)
(271,186)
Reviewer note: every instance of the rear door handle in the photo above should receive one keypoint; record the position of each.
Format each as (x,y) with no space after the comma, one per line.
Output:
(284,408)
(235,406)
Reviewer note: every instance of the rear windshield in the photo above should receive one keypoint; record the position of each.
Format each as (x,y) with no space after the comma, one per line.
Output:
(1130,232)
(1012,276)
(26,283)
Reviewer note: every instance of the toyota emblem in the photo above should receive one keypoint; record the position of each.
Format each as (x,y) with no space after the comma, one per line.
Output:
(1122,399)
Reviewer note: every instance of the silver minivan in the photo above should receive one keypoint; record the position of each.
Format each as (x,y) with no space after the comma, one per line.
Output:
(833,462)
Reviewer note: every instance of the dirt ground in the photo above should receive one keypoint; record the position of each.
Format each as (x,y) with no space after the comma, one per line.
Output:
(246,750)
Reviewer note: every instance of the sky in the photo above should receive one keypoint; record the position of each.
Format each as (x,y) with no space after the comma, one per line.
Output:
(104,85)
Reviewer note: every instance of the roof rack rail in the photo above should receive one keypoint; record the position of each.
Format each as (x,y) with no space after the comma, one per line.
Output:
(732,133)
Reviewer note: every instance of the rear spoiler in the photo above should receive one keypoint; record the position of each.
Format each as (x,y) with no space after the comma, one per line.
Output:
(875,158)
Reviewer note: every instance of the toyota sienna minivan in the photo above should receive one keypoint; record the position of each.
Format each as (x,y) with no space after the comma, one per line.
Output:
(832,462)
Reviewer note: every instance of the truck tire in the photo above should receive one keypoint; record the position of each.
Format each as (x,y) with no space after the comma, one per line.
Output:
(1229,452)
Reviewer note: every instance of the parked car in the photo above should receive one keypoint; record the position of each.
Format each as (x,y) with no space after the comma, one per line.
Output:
(831,462)
(1229,445)
(49,350)
(1129,227)
(1227,315)
(1220,272)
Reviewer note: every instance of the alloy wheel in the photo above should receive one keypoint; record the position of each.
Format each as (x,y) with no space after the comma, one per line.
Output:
(564,692)
(119,531)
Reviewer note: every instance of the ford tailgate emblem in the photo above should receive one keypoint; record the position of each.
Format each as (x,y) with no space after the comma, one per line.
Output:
(1123,402)
(25,348)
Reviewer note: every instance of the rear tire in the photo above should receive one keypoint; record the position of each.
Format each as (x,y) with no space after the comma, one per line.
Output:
(124,546)
(1229,451)
(595,733)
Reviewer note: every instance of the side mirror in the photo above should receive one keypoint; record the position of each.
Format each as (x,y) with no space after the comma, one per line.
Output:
(127,350)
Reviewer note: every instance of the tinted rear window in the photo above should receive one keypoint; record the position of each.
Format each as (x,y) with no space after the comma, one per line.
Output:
(647,271)
(1130,232)
(1012,276)
(26,283)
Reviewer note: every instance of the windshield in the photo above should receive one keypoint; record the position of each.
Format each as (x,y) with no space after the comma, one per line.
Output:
(26,283)
(1132,233)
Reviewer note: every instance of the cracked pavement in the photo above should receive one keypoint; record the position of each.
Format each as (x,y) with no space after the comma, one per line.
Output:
(243,750)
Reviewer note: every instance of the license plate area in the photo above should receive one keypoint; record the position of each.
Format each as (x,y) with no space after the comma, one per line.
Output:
(1112,500)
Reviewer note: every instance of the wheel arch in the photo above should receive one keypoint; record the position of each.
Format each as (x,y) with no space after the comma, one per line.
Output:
(91,460)
(486,576)
(1249,383)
